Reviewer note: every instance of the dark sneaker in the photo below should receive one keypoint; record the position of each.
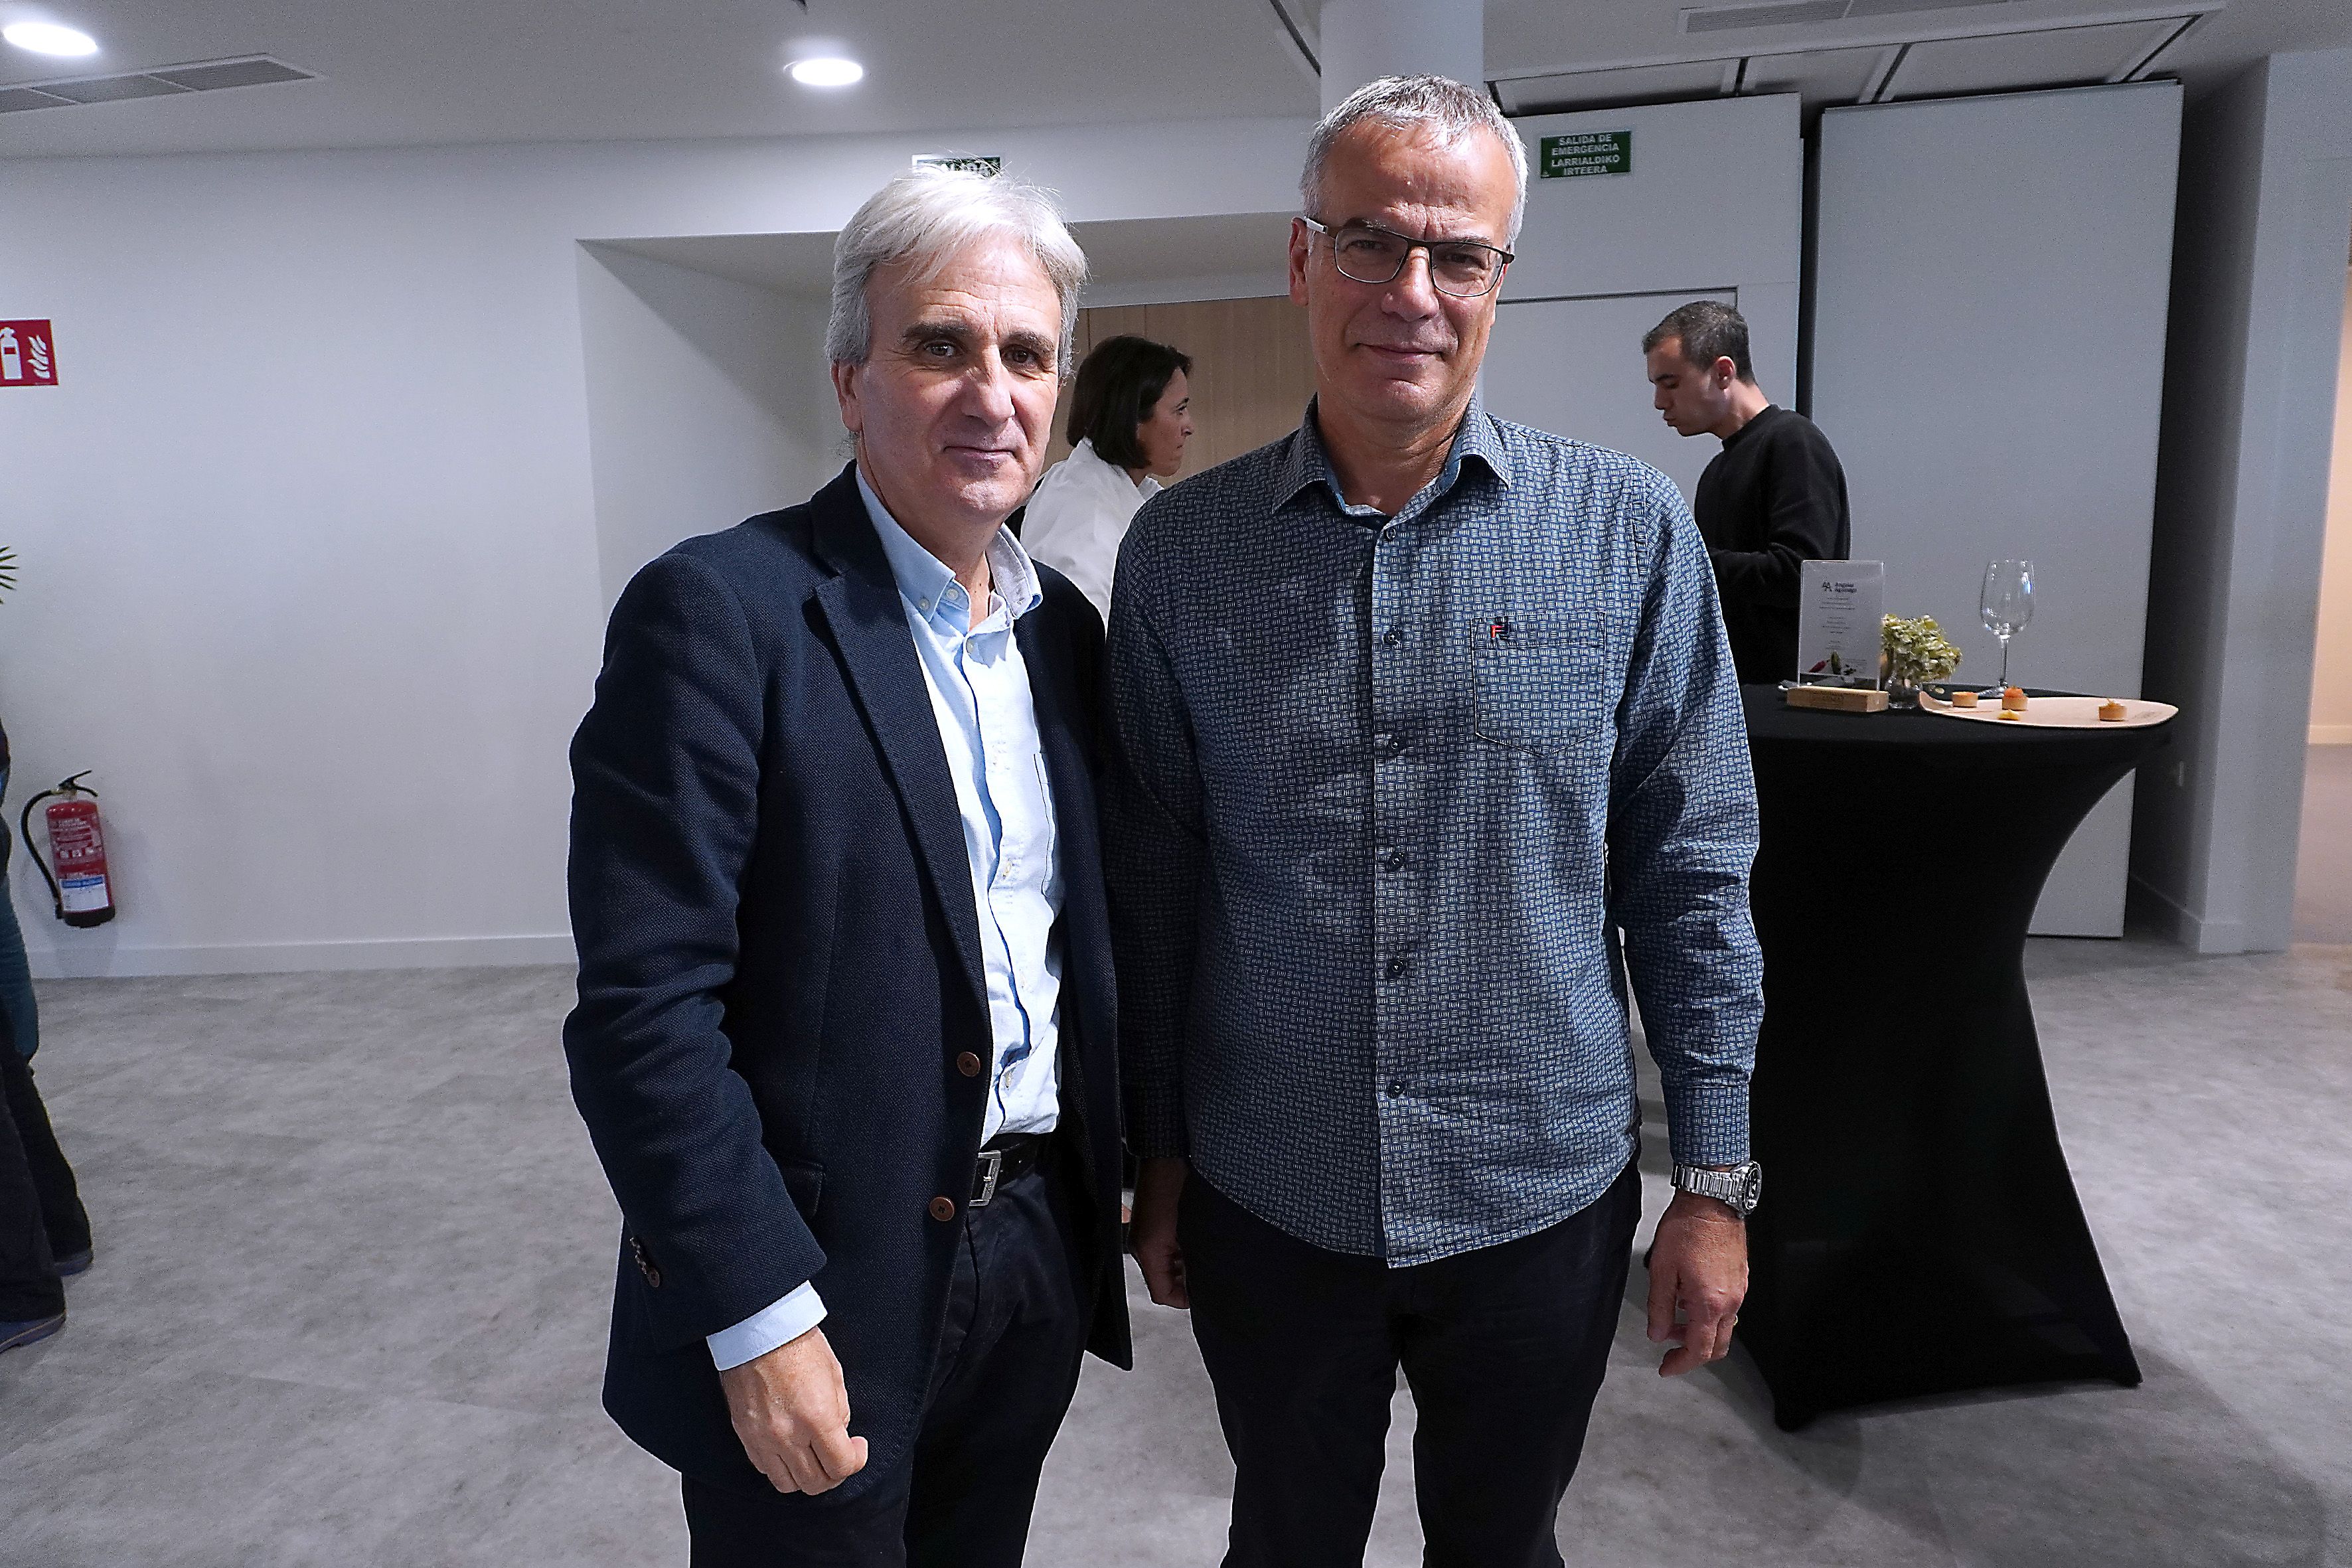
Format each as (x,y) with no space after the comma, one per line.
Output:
(25,1334)
(73,1263)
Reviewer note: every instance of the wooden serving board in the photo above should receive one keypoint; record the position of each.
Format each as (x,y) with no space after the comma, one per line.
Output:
(2056,712)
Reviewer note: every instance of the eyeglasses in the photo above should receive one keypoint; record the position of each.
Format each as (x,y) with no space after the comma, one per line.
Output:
(1371,254)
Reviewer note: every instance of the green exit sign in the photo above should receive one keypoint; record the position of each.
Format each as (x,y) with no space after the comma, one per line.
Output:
(1586,152)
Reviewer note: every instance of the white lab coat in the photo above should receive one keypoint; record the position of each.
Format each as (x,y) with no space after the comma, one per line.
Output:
(1077,517)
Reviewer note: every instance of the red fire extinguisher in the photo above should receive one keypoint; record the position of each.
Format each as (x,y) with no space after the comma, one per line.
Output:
(83,895)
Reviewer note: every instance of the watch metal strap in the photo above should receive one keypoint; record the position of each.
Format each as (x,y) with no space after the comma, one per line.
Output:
(1725,1186)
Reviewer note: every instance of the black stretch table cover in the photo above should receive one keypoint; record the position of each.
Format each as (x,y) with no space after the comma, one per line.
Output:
(1919,1232)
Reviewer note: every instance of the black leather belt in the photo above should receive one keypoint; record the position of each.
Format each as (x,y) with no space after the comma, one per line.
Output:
(1007,1159)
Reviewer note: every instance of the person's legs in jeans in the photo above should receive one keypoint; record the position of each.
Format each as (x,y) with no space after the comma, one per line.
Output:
(1297,1344)
(1005,1382)
(16,974)
(1505,1351)
(29,1288)
(53,1184)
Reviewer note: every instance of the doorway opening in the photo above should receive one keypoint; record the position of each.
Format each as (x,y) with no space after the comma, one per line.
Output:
(2322,883)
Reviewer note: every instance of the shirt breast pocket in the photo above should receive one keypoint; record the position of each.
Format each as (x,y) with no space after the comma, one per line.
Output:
(1540,690)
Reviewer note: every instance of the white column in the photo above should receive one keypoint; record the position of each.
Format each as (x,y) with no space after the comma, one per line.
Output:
(1363,40)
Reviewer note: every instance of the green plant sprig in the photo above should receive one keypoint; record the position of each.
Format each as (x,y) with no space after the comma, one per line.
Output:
(1917,651)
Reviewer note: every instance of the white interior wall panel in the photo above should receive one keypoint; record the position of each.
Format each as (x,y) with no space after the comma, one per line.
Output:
(1711,209)
(319,527)
(1992,277)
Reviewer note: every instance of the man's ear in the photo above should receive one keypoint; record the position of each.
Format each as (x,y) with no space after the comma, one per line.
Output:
(844,389)
(1302,243)
(1726,373)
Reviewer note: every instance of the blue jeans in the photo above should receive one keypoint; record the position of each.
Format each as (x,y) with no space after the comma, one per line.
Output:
(15,975)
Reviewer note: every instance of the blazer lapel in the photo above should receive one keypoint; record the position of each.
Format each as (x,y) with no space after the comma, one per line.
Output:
(869,620)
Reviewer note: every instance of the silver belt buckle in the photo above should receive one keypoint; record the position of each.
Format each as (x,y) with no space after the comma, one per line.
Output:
(991,1162)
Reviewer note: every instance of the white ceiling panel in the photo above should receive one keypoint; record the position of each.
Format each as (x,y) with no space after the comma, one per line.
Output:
(1602,89)
(2056,58)
(1823,76)
(428,72)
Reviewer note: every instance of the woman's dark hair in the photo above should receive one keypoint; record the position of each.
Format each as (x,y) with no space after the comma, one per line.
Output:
(1117,388)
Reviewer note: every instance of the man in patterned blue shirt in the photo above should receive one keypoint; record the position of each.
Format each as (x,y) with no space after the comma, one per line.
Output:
(1415,710)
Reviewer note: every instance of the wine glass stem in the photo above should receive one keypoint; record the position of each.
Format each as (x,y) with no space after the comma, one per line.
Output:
(2004,661)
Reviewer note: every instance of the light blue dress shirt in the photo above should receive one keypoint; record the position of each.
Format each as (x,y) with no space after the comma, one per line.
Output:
(988,721)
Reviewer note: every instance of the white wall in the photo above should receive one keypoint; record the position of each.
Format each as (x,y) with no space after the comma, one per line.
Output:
(1712,209)
(2249,379)
(708,399)
(1988,343)
(2331,665)
(313,537)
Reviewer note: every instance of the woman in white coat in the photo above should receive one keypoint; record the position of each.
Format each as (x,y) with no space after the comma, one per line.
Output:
(1129,418)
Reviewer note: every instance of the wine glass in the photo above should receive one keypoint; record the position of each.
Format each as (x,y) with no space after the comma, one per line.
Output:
(2006,605)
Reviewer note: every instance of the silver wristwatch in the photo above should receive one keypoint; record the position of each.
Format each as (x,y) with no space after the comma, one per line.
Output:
(1740,1186)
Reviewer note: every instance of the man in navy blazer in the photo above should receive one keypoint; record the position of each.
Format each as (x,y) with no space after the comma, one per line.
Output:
(844,1040)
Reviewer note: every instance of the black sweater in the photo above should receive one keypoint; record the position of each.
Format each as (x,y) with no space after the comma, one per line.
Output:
(1773,498)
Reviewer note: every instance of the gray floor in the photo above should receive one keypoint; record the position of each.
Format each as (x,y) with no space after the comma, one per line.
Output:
(353,1255)
(2323,882)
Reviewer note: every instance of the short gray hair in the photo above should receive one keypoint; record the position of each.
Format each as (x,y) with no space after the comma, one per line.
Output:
(1433,103)
(926,217)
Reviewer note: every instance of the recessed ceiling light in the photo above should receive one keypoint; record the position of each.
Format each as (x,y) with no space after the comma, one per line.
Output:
(50,39)
(826,70)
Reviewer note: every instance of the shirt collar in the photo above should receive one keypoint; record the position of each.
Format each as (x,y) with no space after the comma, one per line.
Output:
(1145,491)
(926,581)
(1308,463)
(1752,423)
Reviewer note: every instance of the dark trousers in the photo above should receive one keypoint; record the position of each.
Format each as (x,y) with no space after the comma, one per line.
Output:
(41,1216)
(1008,1364)
(1504,1348)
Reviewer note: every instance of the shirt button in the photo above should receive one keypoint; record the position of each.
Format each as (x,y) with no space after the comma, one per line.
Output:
(1393,636)
(1396,1087)
(1396,968)
(943,1209)
(1394,860)
(1387,745)
(968,1065)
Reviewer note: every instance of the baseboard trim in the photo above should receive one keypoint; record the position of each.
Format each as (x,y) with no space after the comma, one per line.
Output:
(2331,735)
(89,955)
(2176,923)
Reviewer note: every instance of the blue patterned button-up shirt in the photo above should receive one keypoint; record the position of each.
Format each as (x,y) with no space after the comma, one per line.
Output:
(1383,790)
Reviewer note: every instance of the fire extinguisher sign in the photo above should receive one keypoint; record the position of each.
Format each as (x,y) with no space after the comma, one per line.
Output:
(28,354)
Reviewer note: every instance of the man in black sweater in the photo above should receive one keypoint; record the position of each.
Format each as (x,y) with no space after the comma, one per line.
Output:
(1772,499)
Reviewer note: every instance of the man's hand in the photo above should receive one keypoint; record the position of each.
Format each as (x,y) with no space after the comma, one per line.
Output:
(1699,1266)
(791,1410)
(1158,1187)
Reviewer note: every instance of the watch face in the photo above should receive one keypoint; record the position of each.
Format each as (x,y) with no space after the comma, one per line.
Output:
(1753,1187)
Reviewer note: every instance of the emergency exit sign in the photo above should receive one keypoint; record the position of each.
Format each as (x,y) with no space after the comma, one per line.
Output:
(991,166)
(29,356)
(1586,152)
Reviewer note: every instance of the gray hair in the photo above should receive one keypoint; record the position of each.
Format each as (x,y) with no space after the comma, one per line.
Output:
(1433,103)
(926,216)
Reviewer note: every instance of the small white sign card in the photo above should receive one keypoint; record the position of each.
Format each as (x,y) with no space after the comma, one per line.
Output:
(1838,636)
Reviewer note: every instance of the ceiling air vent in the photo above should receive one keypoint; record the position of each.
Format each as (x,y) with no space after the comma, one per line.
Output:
(1789,13)
(163,81)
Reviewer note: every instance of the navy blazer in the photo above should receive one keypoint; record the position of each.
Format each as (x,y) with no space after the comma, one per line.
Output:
(779,963)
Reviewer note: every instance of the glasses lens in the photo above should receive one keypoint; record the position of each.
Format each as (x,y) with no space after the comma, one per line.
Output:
(1465,268)
(1367,256)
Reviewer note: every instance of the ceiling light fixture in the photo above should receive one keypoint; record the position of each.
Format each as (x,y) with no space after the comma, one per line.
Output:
(826,70)
(50,39)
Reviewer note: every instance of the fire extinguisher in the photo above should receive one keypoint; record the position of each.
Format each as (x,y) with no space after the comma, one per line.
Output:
(78,885)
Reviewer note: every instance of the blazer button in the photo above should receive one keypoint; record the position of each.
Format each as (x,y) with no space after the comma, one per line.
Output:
(968,1065)
(943,1209)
